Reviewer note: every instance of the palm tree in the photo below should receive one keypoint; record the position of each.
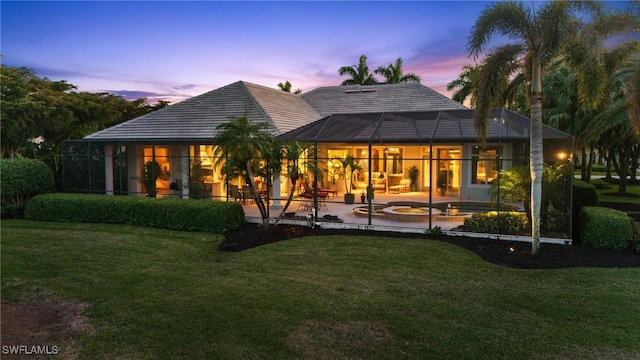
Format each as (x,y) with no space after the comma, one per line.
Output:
(294,154)
(359,74)
(615,137)
(595,66)
(464,85)
(350,167)
(242,145)
(633,95)
(537,38)
(287,87)
(509,90)
(393,74)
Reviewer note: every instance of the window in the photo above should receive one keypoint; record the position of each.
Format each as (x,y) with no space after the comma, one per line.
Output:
(484,165)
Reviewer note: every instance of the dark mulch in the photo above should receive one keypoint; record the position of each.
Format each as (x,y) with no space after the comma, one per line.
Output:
(505,253)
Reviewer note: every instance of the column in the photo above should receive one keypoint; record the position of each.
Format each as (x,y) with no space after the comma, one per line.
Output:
(277,202)
(184,161)
(108,169)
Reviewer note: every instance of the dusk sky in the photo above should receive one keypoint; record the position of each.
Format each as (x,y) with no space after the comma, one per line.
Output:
(175,50)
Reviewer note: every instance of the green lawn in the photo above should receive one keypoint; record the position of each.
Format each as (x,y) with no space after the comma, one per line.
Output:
(164,294)
(608,194)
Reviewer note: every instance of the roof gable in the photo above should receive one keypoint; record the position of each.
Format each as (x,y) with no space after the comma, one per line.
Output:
(198,117)
(287,111)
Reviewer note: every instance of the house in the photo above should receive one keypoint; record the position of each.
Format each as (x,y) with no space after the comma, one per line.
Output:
(388,128)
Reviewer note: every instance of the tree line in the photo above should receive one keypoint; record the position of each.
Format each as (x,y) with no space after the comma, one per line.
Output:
(359,74)
(597,88)
(37,114)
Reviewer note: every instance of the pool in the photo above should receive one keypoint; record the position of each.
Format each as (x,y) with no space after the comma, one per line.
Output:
(457,206)
(399,213)
(414,211)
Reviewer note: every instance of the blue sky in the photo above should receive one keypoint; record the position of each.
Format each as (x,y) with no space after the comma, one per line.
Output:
(174,50)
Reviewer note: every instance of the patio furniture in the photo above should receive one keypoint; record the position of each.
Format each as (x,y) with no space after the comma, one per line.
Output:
(234,193)
(332,192)
(404,186)
(246,195)
(307,192)
(379,184)
(307,204)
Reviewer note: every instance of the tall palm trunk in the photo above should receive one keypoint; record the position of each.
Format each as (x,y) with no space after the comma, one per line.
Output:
(536,157)
(256,196)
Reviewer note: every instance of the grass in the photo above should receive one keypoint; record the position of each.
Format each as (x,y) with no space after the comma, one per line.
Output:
(609,194)
(164,294)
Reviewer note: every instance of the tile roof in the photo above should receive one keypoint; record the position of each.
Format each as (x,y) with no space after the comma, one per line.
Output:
(410,111)
(198,117)
(378,98)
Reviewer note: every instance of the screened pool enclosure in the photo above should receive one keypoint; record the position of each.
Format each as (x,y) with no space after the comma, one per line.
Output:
(410,167)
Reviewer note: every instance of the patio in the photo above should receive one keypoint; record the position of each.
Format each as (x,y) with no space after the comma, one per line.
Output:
(334,205)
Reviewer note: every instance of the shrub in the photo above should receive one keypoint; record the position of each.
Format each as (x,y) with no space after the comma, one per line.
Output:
(600,184)
(635,242)
(605,228)
(21,180)
(492,222)
(553,221)
(434,231)
(171,214)
(584,194)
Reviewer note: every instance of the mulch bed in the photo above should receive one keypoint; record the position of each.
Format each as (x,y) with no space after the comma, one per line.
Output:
(506,253)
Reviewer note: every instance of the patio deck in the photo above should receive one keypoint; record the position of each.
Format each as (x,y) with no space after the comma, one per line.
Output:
(335,206)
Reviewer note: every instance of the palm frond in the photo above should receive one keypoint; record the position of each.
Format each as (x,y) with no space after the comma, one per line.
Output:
(611,24)
(632,92)
(493,75)
(554,25)
(359,74)
(410,78)
(508,18)
(464,84)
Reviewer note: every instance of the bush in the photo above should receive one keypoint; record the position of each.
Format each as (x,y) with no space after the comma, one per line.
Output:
(605,228)
(171,214)
(21,180)
(492,222)
(600,184)
(553,221)
(584,194)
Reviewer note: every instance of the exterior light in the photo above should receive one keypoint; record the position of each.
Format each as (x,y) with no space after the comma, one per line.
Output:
(562,155)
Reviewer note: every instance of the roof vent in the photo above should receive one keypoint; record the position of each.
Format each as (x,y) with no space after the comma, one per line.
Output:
(352,91)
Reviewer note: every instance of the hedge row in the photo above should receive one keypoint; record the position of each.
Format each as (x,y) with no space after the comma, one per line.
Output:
(584,194)
(605,228)
(492,222)
(21,180)
(171,214)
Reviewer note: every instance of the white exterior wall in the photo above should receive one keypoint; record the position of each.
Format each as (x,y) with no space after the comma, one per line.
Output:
(134,168)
